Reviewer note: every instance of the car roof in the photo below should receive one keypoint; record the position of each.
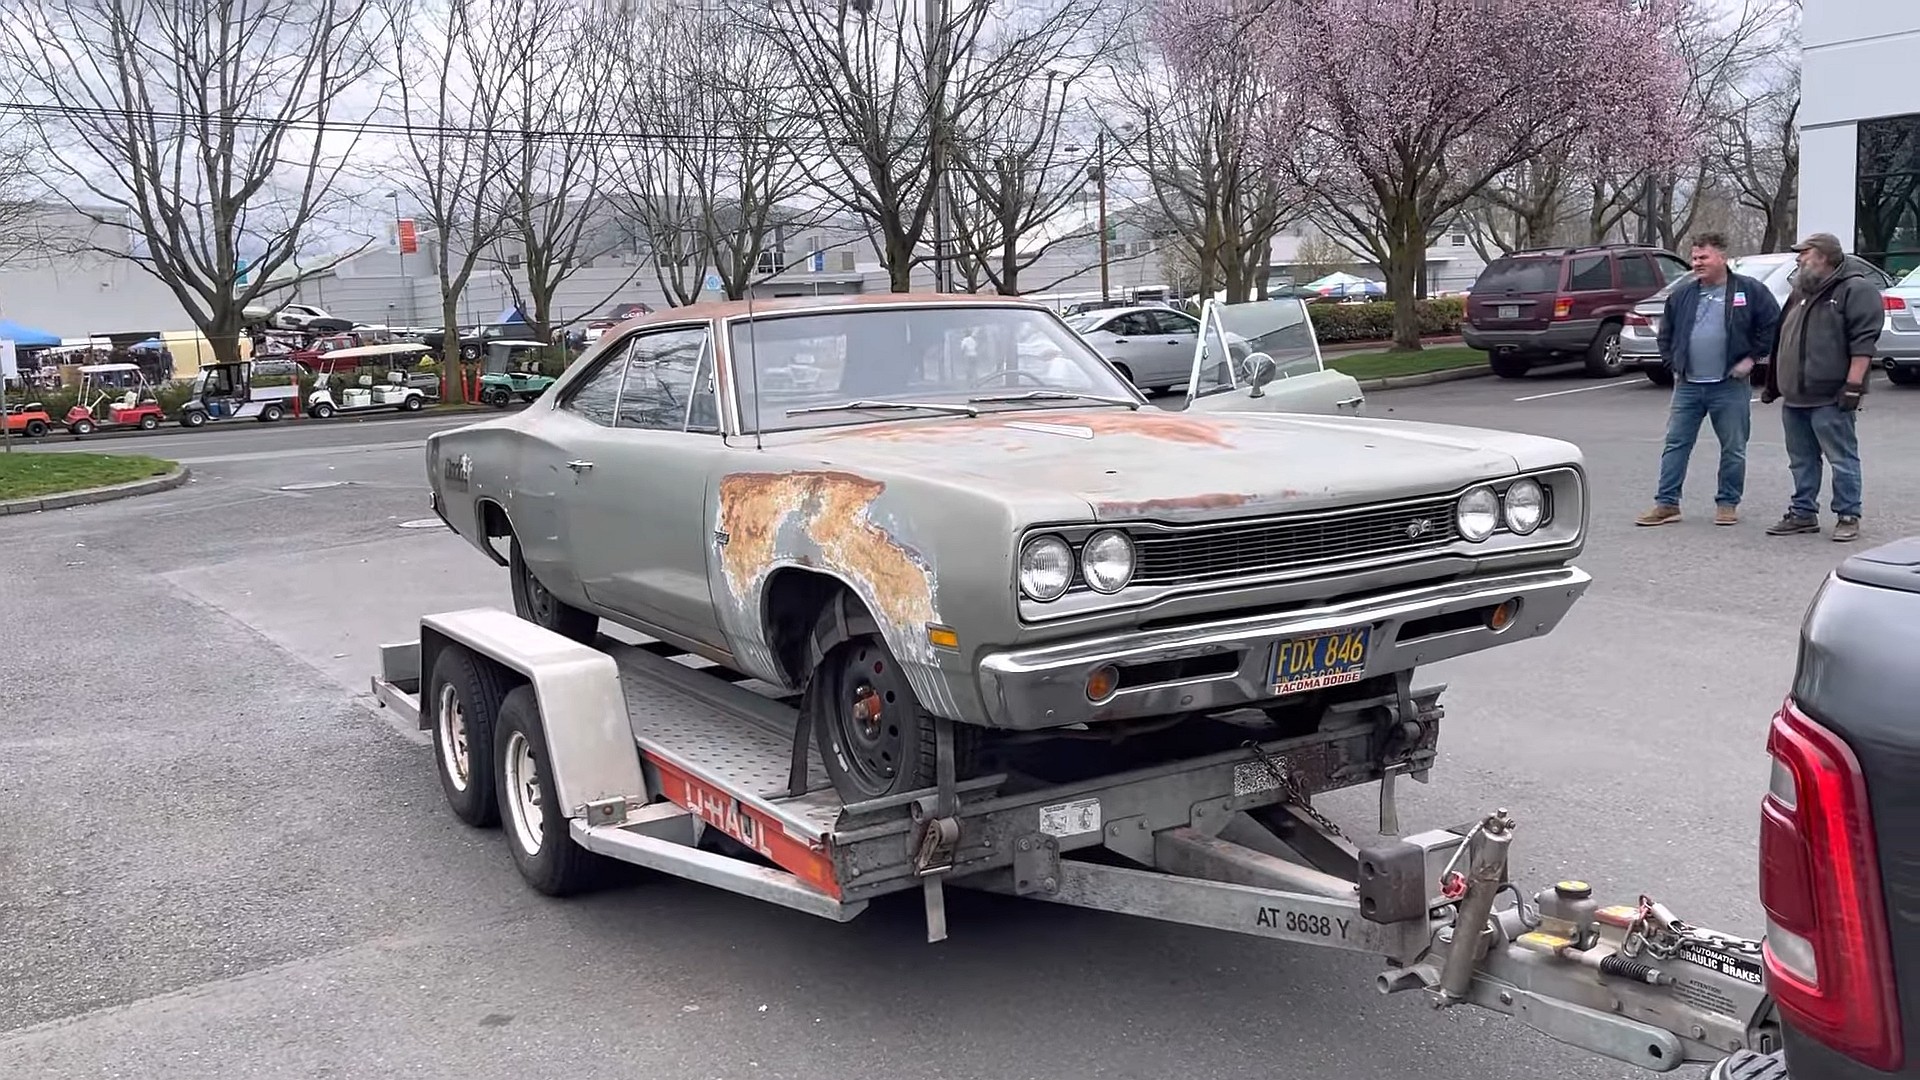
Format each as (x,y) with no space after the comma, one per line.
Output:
(788,305)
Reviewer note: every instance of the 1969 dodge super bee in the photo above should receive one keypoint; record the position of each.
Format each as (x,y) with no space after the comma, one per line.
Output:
(915,507)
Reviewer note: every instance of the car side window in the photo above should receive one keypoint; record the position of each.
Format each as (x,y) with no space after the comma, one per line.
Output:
(1591,273)
(1671,268)
(1132,324)
(658,391)
(1174,323)
(703,412)
(595,396)
(1637,273)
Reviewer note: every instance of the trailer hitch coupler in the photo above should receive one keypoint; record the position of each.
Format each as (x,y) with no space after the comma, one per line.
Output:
(1486,874)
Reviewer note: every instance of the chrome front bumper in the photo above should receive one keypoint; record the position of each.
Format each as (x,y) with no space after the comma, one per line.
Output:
(1229,663)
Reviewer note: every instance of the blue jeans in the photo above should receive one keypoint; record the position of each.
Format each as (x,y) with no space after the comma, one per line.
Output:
(1822,431)
(1729,404)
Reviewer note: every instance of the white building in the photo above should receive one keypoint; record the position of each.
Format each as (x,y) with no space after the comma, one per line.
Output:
(1860,128)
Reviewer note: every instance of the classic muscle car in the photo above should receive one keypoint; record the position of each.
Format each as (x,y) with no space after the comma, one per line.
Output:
(912,507)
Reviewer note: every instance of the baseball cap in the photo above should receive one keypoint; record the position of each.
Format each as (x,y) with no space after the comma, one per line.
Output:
(1825,243)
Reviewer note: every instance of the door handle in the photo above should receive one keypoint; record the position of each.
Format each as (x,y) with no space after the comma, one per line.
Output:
(1119,341)
(1349,403)
(579,466)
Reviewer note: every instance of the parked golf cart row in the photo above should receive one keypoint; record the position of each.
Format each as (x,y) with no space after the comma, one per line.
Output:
(120,397)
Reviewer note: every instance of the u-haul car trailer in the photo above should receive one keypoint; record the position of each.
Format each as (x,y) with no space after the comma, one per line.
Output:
(636,754)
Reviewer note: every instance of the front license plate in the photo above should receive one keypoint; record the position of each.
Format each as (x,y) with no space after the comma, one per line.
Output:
(1310,663)
(1509,311)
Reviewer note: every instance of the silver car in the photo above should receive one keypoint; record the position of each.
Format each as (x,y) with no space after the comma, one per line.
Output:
(907,508)
(1640,336)
(1151,346)
(1900,337)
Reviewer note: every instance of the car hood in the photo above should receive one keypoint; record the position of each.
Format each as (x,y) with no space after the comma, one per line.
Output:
(1172,466)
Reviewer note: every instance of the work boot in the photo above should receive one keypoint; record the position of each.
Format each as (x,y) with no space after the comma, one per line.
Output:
(1726,515)
(1661,514)
(1847,528)
(1790,524)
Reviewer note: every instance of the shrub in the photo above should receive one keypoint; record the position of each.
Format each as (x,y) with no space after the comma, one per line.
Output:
(1339,323)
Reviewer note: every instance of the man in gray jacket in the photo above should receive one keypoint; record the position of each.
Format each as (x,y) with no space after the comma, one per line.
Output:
(1829,331)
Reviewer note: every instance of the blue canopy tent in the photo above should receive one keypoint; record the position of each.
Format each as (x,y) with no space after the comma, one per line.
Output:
(26,335)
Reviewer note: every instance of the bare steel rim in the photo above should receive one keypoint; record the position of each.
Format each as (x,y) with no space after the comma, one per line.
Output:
(451,718)
(523,793)
(539,600)
(868,711)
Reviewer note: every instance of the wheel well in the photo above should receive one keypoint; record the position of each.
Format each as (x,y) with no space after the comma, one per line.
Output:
(807,613)
(495,525)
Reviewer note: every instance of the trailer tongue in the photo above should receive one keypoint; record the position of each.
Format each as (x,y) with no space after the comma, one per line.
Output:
(634,753)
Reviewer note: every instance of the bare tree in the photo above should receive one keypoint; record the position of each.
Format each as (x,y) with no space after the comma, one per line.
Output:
(557,100)
(445,59)
(24,232)
(201,128)
(887,85)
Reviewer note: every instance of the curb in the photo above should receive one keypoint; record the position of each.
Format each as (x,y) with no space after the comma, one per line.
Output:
(1347,348)
(170,427)
(1428,378)
(89,496)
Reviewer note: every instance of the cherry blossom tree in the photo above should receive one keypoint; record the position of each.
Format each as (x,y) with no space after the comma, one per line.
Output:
(1403,110)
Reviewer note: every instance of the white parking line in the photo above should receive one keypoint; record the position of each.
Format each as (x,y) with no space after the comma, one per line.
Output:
(1614,385)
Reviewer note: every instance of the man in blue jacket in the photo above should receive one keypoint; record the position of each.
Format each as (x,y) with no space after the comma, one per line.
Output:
(1717,326)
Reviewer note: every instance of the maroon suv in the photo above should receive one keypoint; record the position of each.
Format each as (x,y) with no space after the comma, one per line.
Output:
(1557,304)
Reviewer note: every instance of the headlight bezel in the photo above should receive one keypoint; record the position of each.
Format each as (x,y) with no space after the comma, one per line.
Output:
(1021,573)
(1086,561)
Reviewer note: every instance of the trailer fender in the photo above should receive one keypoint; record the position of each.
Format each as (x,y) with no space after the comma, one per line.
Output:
(590,745)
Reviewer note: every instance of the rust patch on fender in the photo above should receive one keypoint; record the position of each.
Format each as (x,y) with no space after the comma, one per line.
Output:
(1213,501)
(1147,424)
(833,509)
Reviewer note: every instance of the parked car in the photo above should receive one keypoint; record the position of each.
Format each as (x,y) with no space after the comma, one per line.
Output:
(1640,335)
(921,507)
(1900,337)
(1151,346)
(1550,305)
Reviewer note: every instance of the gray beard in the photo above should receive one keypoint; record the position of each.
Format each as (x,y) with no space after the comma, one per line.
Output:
(1811,279)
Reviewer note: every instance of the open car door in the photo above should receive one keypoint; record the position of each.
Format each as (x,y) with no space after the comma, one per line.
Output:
(1262,356)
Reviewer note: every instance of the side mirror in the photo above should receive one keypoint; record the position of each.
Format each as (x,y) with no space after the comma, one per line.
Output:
(1260,370)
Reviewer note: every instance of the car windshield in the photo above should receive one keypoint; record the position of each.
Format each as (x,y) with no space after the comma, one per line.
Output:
(1520,275)
(1279,328)
(863,364)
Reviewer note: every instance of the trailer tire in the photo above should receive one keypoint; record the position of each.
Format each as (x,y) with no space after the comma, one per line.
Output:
(465,698)
(530,812)
(532,602)
(873,735)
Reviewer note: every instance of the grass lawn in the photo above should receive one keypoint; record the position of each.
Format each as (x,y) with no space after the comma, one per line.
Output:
(1380,365)
(25,475)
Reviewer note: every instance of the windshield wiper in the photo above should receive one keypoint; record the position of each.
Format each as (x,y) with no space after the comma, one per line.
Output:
(862,403)
(1056,395)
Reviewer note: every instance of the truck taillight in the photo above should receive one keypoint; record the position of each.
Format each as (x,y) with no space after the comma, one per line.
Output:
(1828,961)
(1892,302)
(1634,318)
(1562,307)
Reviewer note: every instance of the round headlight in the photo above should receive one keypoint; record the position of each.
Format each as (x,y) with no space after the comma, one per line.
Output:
(1477,514)
(1525,506)
(1107,561)
(1046,568)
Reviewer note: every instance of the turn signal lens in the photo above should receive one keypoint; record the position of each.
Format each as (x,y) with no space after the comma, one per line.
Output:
(1102,683)
(1503,615)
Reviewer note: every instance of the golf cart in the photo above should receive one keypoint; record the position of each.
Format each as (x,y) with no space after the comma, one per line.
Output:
(227,391)
(513,370)
(28,418)
(114,396)
(399,391)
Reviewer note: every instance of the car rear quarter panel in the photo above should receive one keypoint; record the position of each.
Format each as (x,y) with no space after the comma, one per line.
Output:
(501,463)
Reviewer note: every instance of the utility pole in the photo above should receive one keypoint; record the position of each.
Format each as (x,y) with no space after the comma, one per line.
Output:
(937,154)
(1100,178)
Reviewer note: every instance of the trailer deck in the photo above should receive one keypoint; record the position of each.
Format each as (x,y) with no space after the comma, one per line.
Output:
(662,760)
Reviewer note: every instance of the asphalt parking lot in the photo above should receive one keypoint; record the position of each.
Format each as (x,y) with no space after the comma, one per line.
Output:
(218,861)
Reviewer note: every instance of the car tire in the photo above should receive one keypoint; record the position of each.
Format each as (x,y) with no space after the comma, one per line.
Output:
(1509,365)
(1903,376)
(532,602)
(531,816)
(873,735)
(1125,372)
(1660,375)
(1603,356)
(463,698)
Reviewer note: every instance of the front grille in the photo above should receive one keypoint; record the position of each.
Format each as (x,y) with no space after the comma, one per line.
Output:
(1251,549)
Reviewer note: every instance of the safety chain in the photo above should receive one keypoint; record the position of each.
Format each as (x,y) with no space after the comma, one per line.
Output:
(1290,787)
(1661,933)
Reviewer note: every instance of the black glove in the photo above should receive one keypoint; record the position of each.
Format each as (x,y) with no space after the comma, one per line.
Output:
(1850,397)
(1769,396)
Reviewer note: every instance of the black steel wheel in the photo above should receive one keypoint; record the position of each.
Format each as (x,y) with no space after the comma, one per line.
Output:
(873,735)
(532,602)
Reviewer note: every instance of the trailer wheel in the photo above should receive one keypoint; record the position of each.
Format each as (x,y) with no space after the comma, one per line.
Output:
(530,810)
(465,698)
(873,735)
(532,602)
